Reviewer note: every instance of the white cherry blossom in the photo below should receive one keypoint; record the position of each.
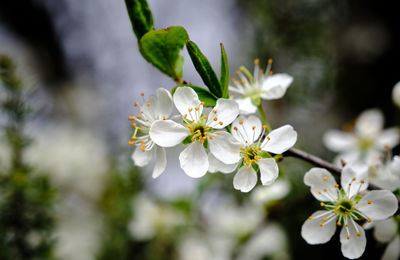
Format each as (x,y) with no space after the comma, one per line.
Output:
(367,140)
(197,129)
(260,85)
(344,207)
(388,231)
(386,173)
(250,150)
(156,108)
(396,94)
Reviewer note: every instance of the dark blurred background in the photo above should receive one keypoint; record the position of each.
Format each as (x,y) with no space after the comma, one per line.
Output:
(81,57)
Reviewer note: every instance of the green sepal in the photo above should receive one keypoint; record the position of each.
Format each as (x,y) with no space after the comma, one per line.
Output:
(224,79)
(256,101)
(264,155)
(204,69)
(255,166)
(205,144)
(161,48)
(187,140)
(204,95)
(140,16)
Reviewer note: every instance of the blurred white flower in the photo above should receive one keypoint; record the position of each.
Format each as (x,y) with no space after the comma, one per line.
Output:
(264,194)
(74,158)
(151,218)
(396,94)
(156,108)
(345,207)
(267,241)
(367,140)
(260,85)
(248,147)
(386,174)
(198,127)
(388,231)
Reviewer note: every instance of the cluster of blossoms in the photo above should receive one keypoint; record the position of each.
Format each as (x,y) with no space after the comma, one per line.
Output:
(220,141)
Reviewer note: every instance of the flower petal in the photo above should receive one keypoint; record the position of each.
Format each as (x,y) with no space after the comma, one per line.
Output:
(268,170)
(378,204)
(194,160)
(388,137)
(141,158)
(314,233)
(225,147)
(224,112)
(395,166)
(161,162)
(245,132)
(369,123)
(245,179)
(339,141)
(246,106)
(186,98)
(218,166)
(354,179)
(392,251)
(167,133)
(163,107)
(275,86)
(322,184)
(353,246)
(280,140)
(385,230)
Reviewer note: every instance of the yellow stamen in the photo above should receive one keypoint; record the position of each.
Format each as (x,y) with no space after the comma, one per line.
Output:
(148,104)
(136,104)
(325,178)
(220,123)
(322,204)
(241,122)
(215,119)
(369,202)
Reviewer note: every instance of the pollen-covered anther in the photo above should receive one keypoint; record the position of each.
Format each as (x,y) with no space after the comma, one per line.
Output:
(336,185)
(185,116)
(220,123)
(348,237)
(358,234)
(131,118)
(133,125)
(269,61)
(141,141)
(318,191)
(325,190)
(148,104)
(322,204)
(354,178)
(132,142)
(134,138)
(369,220)
(325,178)
(271,72)
(205,117)
(388,147)
(214,111)
(139,117)
(140,131)
(235,128)
(269,138)
(369,202)
(136,104)
(163,117)
(343,162)
(254,128)
(310,217)
(247,167)
(320,224)
(215,119)
(257,61)
(202,103)
(241,122)
(211,137)
(324,219)
(143,148)
(190,110)
(218,133)
(264,127)
(196,108)
(339,223)
(142,94)
(362,181)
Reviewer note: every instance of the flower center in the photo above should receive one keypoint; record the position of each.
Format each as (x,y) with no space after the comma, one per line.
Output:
(199,131)
(344,207)
(251,154)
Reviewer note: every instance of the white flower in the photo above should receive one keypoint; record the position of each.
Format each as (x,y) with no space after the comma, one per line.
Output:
(250,150)
(156,108)
(386,174)
(388,231)
(266,194)
(343,207)
(396,94)
(260,85)
(367,140)
(198,130)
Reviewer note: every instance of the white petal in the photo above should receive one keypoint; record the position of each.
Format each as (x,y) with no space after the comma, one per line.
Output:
(268,170)
(226,111)
(352,179)
(383,204)
(385,230)
(225,147)
(141,158)
(339,141)
(246,106)
(245,133)
(396,94)
(388,137)
(392,251)
(395,166)
(186,98)
(163,106)
(322,184)
(369,122)
(280,140)
(275,86)
(218,166)
(312,231)
(167,133)
(388,182)
(194,160)
(354,246)
(161,162)
(245,180)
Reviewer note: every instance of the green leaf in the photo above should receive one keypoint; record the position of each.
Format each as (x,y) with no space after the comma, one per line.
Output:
(204,69)
(140,16)
(161,48)
(224,80)
(187,140)
(206,96)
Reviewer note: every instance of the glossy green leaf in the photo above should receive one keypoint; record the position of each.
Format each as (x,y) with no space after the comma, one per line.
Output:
(224,80)
(140,16)
(161,48)
(204,69)
(206,96)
